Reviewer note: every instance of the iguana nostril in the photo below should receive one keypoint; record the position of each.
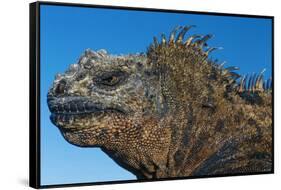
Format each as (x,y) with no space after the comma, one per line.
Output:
(60,88)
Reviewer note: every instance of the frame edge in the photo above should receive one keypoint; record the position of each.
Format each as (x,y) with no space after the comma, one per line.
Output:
(34,143)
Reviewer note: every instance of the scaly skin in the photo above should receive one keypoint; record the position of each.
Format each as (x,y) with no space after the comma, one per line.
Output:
(169,113)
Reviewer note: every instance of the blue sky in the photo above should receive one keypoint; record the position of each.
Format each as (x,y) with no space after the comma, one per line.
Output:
(67,31)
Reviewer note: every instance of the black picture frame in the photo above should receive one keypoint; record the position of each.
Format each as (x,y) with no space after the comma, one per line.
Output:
(34,90)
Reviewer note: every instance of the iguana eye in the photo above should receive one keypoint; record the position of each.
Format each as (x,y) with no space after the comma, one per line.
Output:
(110,81)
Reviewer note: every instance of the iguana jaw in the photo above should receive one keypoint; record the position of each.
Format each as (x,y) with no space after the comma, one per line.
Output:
(70,112)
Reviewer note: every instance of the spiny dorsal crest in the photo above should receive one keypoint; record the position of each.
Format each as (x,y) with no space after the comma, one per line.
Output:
(177,39)
(255,83)
(196,47)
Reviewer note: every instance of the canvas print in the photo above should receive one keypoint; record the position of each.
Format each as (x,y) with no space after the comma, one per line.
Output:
(147,95)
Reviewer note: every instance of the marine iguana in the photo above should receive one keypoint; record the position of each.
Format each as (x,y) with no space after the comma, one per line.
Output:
(169,112)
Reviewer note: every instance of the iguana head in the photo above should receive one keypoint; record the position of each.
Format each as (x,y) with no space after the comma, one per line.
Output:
(103,98)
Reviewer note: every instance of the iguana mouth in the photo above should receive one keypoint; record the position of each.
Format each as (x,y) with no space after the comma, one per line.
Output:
(73,105)
(66,109)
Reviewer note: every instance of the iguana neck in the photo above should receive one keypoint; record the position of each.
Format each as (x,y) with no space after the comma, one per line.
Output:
(145,157)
